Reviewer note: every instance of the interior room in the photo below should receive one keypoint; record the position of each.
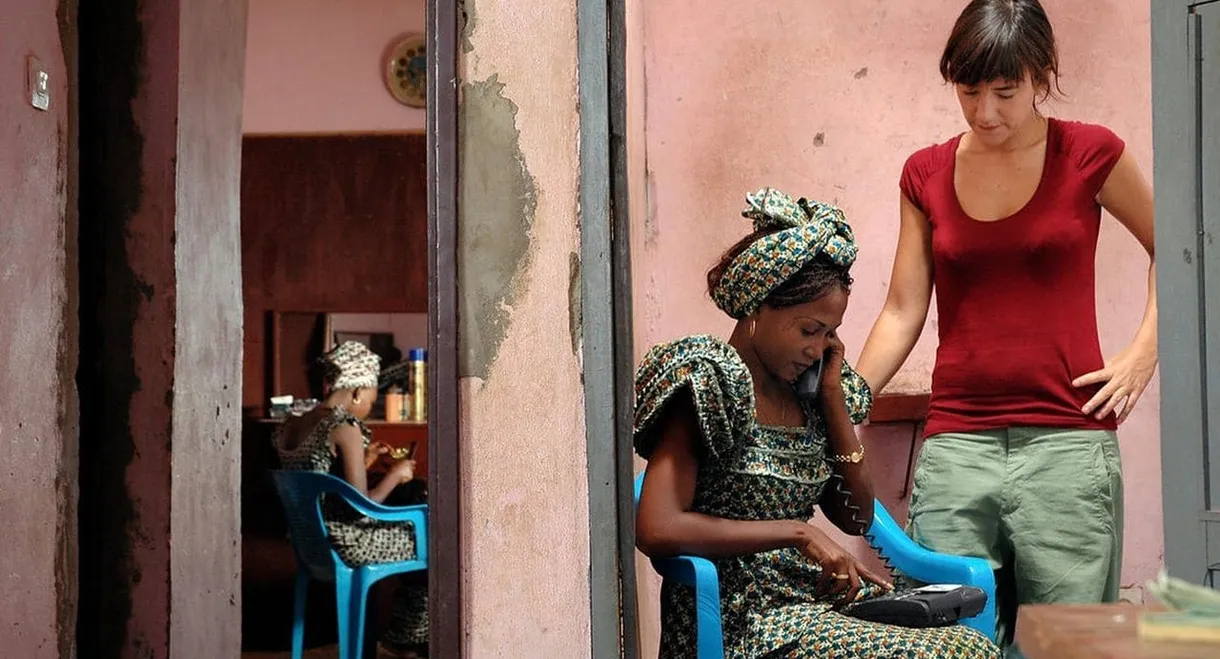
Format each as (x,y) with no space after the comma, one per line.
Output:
(334,249)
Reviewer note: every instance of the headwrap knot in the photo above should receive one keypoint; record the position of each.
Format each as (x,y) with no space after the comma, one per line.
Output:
(351,365)
(808,228)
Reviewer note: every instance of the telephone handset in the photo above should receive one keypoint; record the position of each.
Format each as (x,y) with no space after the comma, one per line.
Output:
(807,383)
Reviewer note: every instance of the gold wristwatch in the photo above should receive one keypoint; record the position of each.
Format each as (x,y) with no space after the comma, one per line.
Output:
(853,458)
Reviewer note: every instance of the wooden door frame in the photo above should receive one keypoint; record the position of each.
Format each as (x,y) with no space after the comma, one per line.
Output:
(606,327)
(444,432)
(1180,237)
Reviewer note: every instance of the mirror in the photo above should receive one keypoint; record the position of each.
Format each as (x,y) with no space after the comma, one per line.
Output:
(298,338)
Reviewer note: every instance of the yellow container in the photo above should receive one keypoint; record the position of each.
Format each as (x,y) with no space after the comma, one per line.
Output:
(394,405)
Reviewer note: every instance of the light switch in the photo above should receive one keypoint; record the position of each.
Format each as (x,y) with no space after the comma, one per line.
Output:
(40,85)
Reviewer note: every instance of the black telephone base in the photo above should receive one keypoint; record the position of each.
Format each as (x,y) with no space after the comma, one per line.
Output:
(928,606)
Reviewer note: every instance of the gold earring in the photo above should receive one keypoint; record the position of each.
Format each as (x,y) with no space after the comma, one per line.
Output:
(753,326)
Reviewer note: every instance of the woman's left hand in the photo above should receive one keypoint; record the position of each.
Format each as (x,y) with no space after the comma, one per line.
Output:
(402,471)
(1125,375)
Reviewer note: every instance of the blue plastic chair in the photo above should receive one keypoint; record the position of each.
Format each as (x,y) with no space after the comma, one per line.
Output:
(885,536)
(301,492)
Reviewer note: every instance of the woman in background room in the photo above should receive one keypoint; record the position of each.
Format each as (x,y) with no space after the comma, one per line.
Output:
(333,439)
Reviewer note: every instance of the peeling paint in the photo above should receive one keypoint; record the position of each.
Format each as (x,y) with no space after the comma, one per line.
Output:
(498,197)
(467,14)
(575,308)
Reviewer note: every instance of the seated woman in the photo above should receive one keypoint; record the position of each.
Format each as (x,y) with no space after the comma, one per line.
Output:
(333,439)
(737,462)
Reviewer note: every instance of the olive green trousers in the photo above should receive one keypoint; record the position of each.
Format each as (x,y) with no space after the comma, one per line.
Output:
(1044,506)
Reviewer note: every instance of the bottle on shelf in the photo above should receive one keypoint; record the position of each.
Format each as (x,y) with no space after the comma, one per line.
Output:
(418,359)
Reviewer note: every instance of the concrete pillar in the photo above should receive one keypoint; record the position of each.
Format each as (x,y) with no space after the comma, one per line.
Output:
(161,89)
(525,529)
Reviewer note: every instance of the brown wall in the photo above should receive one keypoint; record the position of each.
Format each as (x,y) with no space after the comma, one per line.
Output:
(38,414)
(329,223)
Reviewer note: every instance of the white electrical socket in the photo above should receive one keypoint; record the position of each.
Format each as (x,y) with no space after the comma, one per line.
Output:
(40,85)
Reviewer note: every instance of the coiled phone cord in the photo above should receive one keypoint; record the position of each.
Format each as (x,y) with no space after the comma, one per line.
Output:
(840,487)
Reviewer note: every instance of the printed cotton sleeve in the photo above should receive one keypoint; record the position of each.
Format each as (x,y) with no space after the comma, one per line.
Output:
(858,394)
(718,382)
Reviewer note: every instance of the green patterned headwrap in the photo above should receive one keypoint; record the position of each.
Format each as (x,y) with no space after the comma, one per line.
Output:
(810,228)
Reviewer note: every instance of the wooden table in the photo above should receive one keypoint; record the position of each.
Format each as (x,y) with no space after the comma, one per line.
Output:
(1105,631)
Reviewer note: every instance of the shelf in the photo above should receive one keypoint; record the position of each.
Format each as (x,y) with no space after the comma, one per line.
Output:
(372,423)
(900,408)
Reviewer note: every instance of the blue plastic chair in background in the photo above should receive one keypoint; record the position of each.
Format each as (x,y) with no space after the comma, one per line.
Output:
(885,536)
(301,492)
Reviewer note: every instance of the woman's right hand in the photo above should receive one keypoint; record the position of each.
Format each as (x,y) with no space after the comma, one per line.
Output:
(841,572)
(402,471)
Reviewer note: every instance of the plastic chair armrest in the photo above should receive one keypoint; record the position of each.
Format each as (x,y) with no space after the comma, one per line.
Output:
(922,564)
(417,515)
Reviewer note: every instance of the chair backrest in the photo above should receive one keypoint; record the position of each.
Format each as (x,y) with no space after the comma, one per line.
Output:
(301,493)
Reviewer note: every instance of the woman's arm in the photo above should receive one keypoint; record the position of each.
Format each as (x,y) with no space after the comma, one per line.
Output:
(1128,197)
(664,523)
(847,500)
(349,445)
(856,488)
(902,318)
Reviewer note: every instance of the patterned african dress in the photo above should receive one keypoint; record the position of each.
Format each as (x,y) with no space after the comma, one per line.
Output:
(357,539)
(755,472)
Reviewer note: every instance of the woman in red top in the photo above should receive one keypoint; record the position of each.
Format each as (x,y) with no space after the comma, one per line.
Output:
(1021,461)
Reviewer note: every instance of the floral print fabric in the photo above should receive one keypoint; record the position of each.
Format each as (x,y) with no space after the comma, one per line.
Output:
(754,472)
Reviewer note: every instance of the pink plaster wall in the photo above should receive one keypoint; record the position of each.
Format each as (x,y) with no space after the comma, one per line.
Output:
(524,472)
(827,99)
(38,414)
(315,66)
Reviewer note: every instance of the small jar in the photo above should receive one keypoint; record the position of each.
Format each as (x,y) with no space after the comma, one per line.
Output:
(394,408)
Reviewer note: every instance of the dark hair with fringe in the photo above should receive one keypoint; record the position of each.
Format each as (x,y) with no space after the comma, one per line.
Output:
(1002,40)
(815,279)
